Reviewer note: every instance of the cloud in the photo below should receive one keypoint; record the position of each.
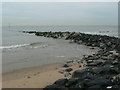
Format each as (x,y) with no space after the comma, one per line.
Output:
(60,13)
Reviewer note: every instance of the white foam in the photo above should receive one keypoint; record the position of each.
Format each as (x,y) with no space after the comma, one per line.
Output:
(13,46)
(97,33)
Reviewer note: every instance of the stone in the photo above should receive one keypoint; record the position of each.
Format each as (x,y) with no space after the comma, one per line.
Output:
(61,71)
(61,82)
(69,70)
(95,63)
(116,86)
(69,61)
(116,79)
(89,61)
(71,82)
(104,58)
(65,65)
(51,86)
(98,81)
(82,74)
(67,74)
(95,86)
(114,53)
(115,62)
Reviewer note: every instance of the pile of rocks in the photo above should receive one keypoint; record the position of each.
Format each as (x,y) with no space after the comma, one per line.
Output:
(102,69)
(54,35)
(106,43)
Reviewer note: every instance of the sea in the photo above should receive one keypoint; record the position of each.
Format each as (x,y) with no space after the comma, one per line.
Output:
(12,37)
(22,50)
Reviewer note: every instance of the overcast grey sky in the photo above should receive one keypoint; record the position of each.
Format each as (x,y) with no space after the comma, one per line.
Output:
(51,13)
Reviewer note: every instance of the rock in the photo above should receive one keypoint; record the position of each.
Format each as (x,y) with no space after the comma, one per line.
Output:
(116,86)
(115,62)
(107,63)
(61,71)
(114,70)
(98,81)
(61,82)
(92,48)
(75,62)
(89,61)
(71,82)
(67,74)
(104,58)
(69,70)
(95,63)
(116,79)
(28,77)
(69,61)
(80,66)
(82,74)
(114,53)
(95,86)
(65,65)
(103,70)
(51,87)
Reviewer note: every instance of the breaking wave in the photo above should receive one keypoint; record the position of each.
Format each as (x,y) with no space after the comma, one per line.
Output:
(31,45)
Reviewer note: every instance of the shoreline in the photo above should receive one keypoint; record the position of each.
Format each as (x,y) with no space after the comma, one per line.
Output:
(97,63)
(37,77)
(24,78)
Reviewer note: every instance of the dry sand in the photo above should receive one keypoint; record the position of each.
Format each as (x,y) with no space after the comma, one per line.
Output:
(36,77)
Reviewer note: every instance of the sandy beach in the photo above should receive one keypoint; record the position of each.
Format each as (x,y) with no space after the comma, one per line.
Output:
(36,77)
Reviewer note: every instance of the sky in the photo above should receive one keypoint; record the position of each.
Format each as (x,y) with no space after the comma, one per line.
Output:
(59,13)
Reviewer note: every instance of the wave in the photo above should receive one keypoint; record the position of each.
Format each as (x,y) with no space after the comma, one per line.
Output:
(13,46)
(31,45)
(102,33)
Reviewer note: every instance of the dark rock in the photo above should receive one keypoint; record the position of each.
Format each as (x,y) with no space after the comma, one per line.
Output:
(71,82)
(116,86)
(69,70)
(115,62)
(104,58)
(82,74)
(95,63)
(52,86)
(114,70)
(65,65)
(107,62)
(69,61)
(95,86)
(103,70)
(116,79)
(61,82)
(98,81)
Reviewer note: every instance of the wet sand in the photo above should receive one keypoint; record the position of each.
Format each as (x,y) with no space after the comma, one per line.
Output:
(36,77)
(56,50)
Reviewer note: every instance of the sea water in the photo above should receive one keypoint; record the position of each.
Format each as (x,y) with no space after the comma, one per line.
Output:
(12,37)
(22,50)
